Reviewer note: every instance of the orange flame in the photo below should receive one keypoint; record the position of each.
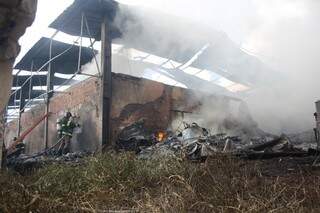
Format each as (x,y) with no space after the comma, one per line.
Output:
(160,136)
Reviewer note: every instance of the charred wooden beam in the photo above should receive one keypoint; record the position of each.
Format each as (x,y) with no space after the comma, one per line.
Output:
(269,144)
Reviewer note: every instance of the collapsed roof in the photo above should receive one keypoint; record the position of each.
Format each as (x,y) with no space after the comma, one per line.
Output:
(166,36)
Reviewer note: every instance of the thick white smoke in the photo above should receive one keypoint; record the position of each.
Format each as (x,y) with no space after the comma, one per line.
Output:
(287,38)
(284,34)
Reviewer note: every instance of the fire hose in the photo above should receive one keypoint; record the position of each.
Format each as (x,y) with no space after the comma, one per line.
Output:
(11,148)
(46,151)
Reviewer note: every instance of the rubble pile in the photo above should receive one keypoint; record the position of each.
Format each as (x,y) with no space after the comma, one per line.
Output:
(23,163)
(193,143)
(197,143)
(134,137)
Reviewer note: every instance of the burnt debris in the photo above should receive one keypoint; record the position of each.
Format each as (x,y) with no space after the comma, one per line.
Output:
(197,143)
(193,143)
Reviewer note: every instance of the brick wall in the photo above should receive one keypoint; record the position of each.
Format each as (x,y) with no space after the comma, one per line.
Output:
(132,99)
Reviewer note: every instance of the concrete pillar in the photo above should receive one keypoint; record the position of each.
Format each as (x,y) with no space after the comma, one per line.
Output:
(106,83)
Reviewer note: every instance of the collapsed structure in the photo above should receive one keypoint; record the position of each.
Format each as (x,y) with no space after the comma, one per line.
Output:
(199,68)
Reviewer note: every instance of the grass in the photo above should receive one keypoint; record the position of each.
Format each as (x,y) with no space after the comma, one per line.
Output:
(113,182)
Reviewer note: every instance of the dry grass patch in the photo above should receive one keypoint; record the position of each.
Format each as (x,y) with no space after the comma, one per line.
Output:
(122,182)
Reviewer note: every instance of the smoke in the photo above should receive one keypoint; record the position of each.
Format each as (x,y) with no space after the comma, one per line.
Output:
(218,114)
(283,34)
(288,39)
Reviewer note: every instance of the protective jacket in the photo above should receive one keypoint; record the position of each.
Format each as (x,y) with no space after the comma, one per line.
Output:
(67,126)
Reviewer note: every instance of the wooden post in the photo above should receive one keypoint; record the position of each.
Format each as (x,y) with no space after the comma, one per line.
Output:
(106,83)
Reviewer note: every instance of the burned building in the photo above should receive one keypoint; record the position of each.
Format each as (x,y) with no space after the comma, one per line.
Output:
(156,77)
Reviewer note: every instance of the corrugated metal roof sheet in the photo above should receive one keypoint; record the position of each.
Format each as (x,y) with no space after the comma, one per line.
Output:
(95,10)
(67,63)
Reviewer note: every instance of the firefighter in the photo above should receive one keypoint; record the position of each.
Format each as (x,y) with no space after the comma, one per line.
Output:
(65,130)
